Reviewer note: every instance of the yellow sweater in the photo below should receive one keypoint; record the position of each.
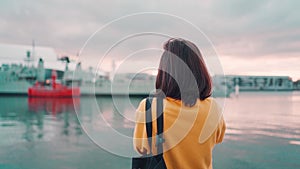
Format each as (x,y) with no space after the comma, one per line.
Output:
(190,132)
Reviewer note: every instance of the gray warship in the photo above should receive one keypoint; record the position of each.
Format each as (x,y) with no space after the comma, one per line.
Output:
(16,78)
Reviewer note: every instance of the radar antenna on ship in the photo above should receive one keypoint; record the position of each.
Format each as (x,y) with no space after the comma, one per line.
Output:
(65,59)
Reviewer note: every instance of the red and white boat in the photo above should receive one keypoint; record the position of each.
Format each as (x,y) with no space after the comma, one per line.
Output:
(54,90)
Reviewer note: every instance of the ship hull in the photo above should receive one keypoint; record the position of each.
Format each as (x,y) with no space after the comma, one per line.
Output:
(14,87)
(37,92)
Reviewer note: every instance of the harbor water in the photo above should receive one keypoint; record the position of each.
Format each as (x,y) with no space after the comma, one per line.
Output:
(263,132)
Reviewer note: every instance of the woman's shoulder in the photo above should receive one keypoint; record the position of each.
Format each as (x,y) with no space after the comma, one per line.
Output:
(213,107)
(140,111)
(213,119)
(211,102)
(141,106)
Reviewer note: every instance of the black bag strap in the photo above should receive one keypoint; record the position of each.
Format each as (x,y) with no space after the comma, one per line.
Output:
(160,124)
(149,122)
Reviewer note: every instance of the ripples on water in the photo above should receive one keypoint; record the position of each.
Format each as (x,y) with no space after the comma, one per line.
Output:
(267,114)
(263,131)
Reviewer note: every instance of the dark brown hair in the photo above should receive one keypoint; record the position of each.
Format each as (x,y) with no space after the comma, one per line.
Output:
(182,73)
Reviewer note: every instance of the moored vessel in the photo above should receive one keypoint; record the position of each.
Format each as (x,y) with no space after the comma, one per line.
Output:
(35,80)
(53,90)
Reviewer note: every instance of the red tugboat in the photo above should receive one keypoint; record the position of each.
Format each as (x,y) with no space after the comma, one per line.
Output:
(54,90)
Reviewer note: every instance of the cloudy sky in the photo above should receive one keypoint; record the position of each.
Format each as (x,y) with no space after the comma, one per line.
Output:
(258,37)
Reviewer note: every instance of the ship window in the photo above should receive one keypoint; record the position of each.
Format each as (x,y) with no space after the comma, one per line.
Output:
(279,82)
(271,82)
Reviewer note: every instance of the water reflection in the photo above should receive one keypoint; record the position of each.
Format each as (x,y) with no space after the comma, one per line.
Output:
(108,122)
(265,114)
(47,131)
(53,105)
(62,111)
(116,112)
(35,119)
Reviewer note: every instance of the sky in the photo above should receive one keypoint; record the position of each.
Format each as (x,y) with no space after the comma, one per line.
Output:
(258,37)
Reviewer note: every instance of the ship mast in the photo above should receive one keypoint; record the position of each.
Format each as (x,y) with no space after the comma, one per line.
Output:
(30,56)
(33,50)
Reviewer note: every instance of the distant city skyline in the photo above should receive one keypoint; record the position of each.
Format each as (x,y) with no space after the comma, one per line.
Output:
(260,37)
